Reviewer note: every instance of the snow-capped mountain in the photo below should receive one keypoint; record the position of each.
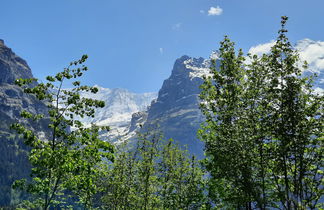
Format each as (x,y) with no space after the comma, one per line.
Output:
(175,109)
(120,104)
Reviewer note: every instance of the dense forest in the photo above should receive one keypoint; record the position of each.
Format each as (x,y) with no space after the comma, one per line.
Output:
(263,135)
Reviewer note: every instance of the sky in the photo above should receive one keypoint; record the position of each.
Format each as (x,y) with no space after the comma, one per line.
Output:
(133,44)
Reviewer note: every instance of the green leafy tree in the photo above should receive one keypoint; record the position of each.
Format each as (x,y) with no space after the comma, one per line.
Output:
(132,182)
(255,128)
(147,180)
(295,123)
(228,147)
(65,162)
(180,178)
(263,130)
(155,174)
(120,180)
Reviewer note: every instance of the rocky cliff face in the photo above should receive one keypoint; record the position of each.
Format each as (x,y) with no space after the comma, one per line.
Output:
(12,66)
(13,159)
(176,111)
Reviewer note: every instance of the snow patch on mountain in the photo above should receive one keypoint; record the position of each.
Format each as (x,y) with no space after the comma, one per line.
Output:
(120,104)
(198,67)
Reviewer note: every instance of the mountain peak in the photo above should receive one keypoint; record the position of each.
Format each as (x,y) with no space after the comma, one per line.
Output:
(191,67)
(12,67)
(176,109)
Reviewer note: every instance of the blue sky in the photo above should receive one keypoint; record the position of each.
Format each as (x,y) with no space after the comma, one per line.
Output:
(133,44)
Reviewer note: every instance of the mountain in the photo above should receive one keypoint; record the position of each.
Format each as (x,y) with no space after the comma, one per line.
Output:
(176,110)
(14,163)
(120,105)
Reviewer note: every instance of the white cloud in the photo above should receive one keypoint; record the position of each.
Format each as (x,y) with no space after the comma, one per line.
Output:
(309,50)
(319,91)
(176,26)
(215,11)
(261,49)
(161,50)
(312,52)
(202,11)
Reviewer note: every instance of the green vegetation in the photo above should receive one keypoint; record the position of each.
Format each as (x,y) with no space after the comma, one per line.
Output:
(263,130)
(64,162)
(75,169)
(263,134)
(156,174)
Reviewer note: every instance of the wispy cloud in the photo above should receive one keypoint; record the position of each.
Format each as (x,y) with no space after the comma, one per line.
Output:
(202,11)
(177,26)
(161,50)
(215,11)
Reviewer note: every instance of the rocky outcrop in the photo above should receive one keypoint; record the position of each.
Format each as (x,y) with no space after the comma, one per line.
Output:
(138,120)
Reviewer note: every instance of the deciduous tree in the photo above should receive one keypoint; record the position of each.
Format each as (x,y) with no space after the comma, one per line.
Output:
(263,130)
(64,162)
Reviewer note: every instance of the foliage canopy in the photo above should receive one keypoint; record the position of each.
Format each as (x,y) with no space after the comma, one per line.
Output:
(263,129)
(68,158)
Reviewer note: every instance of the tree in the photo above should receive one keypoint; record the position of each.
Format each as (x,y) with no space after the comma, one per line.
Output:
(120,180)
(155,174)
(180,178)
(228,148)
(132,181)
(65,162)
(295,123)
(263,130)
